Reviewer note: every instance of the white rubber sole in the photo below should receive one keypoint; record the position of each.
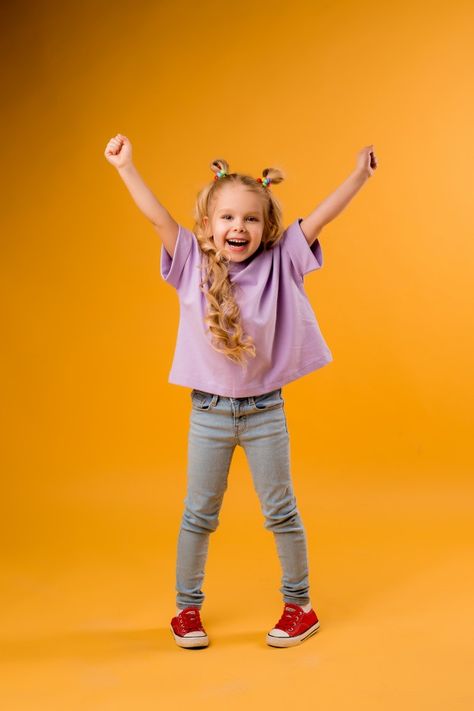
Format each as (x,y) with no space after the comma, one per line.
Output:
(190,642)
(291,641)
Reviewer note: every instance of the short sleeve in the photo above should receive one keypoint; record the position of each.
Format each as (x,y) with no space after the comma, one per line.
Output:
(173,268)
(305,258)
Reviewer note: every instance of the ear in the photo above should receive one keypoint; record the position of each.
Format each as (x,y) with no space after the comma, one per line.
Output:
(206,222)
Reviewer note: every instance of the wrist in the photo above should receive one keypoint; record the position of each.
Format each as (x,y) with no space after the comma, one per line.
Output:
(125,169)
(361,174)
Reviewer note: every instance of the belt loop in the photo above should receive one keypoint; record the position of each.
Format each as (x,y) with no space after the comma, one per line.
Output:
(214,400)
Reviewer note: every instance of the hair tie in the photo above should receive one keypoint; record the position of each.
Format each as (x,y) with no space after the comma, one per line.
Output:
(220,174)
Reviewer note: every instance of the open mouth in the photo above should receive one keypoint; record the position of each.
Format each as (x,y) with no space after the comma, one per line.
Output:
(237,245)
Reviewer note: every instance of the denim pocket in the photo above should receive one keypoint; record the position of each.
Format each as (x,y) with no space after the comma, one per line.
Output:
(268,400)
(202,400)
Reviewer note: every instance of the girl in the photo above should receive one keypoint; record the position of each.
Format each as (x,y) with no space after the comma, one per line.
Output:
(246,329)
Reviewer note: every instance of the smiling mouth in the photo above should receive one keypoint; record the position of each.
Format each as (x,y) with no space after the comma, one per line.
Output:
(237,242)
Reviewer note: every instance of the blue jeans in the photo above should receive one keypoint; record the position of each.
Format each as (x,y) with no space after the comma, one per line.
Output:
(258,424)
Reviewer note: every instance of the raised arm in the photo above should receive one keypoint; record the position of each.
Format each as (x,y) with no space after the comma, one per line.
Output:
(329,208)
(119,154)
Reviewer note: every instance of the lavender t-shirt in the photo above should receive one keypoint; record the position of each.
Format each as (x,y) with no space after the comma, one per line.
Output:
(275,311)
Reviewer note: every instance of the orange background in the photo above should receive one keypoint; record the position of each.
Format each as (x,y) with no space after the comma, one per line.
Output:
(94,437)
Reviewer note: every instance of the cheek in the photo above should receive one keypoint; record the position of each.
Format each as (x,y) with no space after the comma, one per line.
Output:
(219,241)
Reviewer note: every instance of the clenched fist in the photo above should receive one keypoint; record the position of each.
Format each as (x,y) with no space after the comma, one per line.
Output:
(119,151)
(367,160)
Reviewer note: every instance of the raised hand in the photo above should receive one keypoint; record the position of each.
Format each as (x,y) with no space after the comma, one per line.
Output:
(367,161)
(119,151)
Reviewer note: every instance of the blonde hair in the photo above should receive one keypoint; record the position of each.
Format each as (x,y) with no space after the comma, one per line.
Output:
(223,312)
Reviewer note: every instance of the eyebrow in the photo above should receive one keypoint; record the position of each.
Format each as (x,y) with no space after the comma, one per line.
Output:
(229,209)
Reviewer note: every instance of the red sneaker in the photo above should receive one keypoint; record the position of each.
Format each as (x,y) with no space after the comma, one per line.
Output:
(294,626)
(187,629)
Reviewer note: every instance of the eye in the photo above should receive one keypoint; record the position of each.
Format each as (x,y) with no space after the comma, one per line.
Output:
(224,217)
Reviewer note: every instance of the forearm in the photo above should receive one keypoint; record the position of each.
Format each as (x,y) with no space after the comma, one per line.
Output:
(329,208)
(145,200)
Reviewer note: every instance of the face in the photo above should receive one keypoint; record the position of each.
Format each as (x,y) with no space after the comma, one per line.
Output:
(237,214)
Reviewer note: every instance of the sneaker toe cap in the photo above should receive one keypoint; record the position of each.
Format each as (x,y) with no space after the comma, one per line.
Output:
(276,632)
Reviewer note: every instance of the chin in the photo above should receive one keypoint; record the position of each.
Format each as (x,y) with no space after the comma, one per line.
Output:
(237,256)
